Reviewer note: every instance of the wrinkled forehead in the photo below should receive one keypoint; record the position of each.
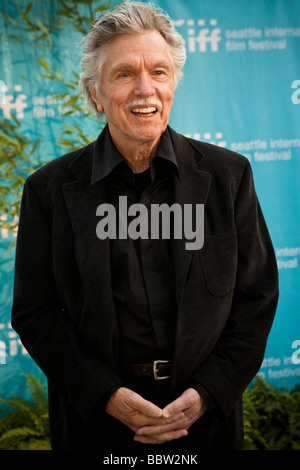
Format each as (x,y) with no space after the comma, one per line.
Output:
(149,49)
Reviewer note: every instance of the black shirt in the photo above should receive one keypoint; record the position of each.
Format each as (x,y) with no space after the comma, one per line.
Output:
(142,269)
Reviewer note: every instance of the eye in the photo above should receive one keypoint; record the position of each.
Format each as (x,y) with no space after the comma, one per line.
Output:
(125,74)
(158,72)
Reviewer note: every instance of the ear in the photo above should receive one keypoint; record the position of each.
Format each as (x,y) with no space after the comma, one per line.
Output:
(97,100)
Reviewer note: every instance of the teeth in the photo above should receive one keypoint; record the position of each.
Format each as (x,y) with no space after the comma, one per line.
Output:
(144,110)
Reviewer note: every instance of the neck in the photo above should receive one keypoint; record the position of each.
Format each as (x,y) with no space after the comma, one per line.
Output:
(138,156)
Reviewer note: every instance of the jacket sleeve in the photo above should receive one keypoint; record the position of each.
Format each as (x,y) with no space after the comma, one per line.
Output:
(39,317)
(239,351)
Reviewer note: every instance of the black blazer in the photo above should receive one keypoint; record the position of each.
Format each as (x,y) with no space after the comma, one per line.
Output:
(227,292)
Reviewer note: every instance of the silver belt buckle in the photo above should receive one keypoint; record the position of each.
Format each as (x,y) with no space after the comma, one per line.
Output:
(155,364)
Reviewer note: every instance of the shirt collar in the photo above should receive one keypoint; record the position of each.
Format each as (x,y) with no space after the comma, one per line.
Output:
(107,157)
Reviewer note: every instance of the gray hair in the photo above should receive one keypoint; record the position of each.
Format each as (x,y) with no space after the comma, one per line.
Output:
(127,18)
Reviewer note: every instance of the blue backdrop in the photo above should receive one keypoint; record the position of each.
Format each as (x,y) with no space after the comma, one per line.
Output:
(241,90)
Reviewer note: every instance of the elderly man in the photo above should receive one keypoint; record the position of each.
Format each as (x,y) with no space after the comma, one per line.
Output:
(143,341)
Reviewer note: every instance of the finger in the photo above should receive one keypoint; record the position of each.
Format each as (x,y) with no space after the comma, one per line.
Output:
(142,421)
(161,438)
(182,423)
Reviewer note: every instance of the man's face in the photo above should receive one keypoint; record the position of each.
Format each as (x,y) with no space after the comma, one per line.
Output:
(137,87)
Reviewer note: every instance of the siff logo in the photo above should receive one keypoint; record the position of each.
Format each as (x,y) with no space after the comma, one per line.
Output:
(216,139)
(296,94)
(202,37)
(10,102)
(296,354)
(11,347)
(2,92)
(2,352)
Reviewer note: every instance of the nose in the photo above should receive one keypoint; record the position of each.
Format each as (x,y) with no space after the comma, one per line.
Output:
(144,86)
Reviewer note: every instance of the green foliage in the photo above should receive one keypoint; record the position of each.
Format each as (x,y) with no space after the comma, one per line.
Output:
(17,161)
(80,14)
(271,417)
(26,427)
(18,154)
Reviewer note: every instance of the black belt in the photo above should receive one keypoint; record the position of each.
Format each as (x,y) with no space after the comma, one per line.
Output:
(160,370)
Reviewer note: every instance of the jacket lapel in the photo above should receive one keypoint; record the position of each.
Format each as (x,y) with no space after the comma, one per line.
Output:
(192,188)
(93,255)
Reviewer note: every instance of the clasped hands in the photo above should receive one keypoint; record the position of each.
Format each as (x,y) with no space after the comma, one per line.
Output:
(151,424)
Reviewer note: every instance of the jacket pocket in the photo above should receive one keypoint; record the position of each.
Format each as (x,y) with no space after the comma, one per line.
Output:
(219,262)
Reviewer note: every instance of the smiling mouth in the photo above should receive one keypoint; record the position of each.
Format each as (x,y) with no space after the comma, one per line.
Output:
(145,112)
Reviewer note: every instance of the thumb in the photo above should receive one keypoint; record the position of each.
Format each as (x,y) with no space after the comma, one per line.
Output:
(146,407)
(186,400)
(172,409)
